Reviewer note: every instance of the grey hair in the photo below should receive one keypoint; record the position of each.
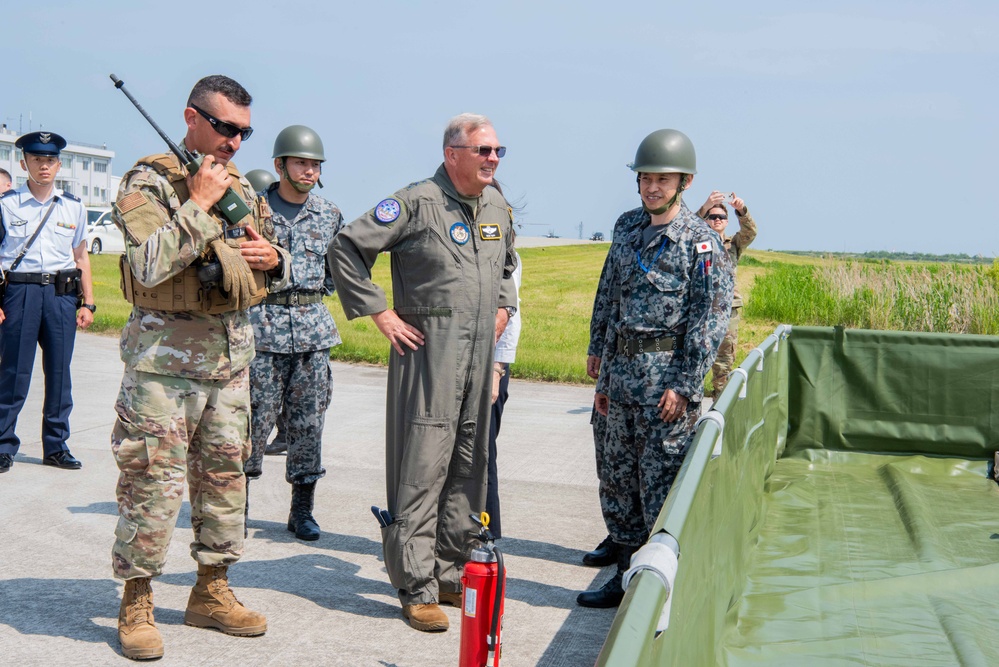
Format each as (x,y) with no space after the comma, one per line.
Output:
(459,127)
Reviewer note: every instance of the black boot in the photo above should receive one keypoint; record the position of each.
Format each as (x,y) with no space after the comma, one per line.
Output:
(605,554)
(610,594)
(300,520)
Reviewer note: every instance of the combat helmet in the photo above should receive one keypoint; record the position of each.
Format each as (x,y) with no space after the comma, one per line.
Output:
(299,141)
(665,152)
(260,179)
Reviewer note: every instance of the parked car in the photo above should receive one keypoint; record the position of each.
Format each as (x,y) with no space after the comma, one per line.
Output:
(597,236)
(95,212)
(103,236)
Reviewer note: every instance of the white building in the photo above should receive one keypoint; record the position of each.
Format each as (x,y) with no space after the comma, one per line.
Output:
(86,169)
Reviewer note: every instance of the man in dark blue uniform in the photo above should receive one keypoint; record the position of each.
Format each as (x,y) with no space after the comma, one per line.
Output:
(46,276)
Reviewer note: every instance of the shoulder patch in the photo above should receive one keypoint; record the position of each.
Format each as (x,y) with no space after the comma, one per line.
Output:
(388,210)
(703,247)
(70,196)
(9,193)
(130,201)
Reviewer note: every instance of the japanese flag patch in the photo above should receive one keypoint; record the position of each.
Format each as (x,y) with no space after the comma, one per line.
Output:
(703,247)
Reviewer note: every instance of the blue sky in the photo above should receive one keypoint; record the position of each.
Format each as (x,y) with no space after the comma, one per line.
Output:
(845,126)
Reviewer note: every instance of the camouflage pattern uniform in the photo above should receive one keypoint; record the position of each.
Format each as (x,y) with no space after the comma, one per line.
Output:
(452,266)
(687,290)
(290,377)
(183,407)
(734,245)
(599,323)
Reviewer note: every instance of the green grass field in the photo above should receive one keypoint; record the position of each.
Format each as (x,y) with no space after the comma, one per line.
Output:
(559,283)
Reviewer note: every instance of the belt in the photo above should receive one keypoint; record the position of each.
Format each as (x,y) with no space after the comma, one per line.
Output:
(36,278)
(631,346)
(293,298)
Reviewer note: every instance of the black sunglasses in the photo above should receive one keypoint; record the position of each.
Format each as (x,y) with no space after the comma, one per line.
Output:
(227,130)
(716,216)
(486,151)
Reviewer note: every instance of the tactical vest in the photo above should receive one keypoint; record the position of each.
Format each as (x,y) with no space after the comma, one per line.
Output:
(184,291)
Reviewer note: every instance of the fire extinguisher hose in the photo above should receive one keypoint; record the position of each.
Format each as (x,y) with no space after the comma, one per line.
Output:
(497,601)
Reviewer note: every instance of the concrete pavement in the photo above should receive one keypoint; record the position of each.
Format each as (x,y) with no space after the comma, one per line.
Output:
(327,602)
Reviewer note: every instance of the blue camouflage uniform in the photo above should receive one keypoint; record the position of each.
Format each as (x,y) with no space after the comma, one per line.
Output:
(290,376)
(600,321)
(37,314)
(680,283)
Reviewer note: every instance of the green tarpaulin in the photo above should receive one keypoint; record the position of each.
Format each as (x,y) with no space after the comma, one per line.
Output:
(849,519)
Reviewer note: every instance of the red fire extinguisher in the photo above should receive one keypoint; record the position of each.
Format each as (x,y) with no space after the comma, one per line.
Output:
(483,586)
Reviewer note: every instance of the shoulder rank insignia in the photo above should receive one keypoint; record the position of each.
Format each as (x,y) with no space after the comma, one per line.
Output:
(490,232)
(388,210)
(460,233)
(703,247)
(70,196)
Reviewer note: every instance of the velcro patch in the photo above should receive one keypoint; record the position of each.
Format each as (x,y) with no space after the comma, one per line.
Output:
(131,201)
(703,247)
(490,232)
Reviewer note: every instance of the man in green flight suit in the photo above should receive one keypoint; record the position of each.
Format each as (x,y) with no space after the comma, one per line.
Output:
(451,239)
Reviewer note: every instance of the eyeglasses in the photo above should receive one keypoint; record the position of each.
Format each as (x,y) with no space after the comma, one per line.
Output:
(227,130)
(486,151)
(716,216)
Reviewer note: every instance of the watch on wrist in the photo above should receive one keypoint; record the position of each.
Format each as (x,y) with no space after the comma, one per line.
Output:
(90,306)
(510,310)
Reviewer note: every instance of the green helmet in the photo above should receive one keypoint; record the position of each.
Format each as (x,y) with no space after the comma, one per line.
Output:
(299,141)
(260,178)
(665,152)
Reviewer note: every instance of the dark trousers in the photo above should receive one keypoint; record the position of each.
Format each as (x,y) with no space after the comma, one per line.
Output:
(492,488)
(35,316)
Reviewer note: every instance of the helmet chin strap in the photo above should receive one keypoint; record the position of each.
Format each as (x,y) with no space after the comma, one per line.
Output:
(673,200)
(24,165)
(304,188)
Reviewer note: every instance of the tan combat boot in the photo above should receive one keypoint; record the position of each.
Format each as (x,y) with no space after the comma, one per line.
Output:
(213,605)
(140,640)
(426,617)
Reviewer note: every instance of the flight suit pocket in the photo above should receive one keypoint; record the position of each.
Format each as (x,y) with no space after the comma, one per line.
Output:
(464,454)
(401,564)
(427,451)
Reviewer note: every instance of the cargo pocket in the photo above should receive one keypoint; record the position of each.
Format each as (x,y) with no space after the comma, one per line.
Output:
(329,381)
(125,530)
(133,449)
(401,563)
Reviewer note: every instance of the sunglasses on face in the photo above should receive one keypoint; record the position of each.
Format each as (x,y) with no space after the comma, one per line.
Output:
(717,216)
(486,151)
(227,130)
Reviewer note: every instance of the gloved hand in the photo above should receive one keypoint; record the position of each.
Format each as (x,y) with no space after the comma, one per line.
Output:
(237,277)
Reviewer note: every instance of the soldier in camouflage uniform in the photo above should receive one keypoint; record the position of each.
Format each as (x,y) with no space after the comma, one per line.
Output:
(451,239)
(667,292)
(290,377)
(716,215)
(183,408)
(606,552)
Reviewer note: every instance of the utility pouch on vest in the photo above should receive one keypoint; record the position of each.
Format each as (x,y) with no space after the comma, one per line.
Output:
(181,292)
(192,289)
